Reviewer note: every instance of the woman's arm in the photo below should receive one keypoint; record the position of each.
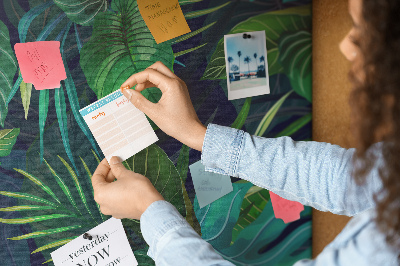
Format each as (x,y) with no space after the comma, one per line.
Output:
(312,173)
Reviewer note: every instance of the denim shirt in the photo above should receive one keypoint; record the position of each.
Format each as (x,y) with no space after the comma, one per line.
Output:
(312,173)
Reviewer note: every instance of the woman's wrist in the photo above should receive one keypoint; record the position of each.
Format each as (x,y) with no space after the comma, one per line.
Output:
(196,136)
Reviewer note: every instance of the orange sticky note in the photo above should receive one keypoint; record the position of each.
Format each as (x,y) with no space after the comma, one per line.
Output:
(41,63)
(284,209)
(164,19)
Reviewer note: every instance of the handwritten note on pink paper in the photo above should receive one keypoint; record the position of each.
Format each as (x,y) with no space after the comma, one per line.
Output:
(284,209)
(41,64)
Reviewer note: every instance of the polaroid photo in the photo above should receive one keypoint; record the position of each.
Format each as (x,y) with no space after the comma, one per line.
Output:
(246,64)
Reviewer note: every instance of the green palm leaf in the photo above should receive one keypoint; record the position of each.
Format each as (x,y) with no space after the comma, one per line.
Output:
(77,185)
(43,109)
(62,185)
(25,208)
(25,196)
(34,218)
(269,116)
(26,92)
(82,11)
(193,33)
(121,45)
(198,13)
(241,118)
(54,244)
(45,232)
(295,126)
(59,101)
(39,183)
(8,68)
(90,178)
(8,137)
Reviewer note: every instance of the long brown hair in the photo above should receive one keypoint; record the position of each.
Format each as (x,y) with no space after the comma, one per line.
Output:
(376,107)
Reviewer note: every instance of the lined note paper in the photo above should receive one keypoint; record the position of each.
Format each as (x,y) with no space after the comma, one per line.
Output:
(118,126)
(41,64)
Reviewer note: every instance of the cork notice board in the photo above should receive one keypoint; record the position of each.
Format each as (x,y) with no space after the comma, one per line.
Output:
(331,89)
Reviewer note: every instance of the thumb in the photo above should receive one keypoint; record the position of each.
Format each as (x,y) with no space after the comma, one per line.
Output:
(117,168)
(138,100)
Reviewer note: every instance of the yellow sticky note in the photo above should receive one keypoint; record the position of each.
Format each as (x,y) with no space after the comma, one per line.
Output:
(164,18)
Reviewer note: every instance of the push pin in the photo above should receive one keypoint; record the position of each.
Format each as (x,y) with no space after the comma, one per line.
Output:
(246,36)
(88,236)
(124,88)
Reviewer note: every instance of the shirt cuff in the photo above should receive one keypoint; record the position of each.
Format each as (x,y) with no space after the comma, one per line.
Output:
(157,220)
(221,150)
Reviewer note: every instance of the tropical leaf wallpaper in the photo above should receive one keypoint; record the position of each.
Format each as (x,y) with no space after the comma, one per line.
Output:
(48,154)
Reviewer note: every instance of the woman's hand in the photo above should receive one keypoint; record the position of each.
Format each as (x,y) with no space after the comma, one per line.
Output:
(174,113)
(128,196)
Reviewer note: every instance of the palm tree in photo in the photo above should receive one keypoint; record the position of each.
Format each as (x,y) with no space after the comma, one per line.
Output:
(247,60)
(230,59)
(255,58)
(262,59)
(239,54)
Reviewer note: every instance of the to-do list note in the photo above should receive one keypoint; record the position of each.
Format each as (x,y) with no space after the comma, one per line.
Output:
(118,126)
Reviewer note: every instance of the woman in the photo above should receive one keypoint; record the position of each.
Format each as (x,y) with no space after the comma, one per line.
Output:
(320,175)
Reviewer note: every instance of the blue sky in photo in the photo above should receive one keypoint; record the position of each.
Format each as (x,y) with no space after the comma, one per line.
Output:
(248,47)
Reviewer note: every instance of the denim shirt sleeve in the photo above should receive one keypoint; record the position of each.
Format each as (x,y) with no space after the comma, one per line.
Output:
(312,173)
(172,240)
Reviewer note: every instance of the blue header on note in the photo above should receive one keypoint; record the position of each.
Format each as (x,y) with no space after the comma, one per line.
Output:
(103,101)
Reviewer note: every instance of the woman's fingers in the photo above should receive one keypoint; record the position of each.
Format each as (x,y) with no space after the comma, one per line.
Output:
(100,175)
(159,80)
(160,67)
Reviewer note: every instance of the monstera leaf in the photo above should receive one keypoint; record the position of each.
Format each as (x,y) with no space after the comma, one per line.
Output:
(218,218)
(82,11)
(295,57)
(120,46)
(154,164)
(269,241)
(274,24)
(8,69)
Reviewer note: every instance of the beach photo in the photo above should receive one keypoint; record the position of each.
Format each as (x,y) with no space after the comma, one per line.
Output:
(246,64)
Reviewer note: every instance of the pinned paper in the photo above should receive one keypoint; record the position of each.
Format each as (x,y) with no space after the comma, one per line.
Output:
(118,126)
(209,186)
(284,209)
(108,246)
(41,64)
(164,19)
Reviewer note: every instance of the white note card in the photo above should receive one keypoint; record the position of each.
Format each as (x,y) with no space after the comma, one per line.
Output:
(118,126)
(209,186)
(108,247)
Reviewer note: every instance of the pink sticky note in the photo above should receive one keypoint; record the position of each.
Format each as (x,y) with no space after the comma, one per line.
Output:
(286,210)
(41,64)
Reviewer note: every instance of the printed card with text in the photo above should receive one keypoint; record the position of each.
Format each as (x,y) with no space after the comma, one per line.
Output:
(118,126)
(209,186)
(109,246)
